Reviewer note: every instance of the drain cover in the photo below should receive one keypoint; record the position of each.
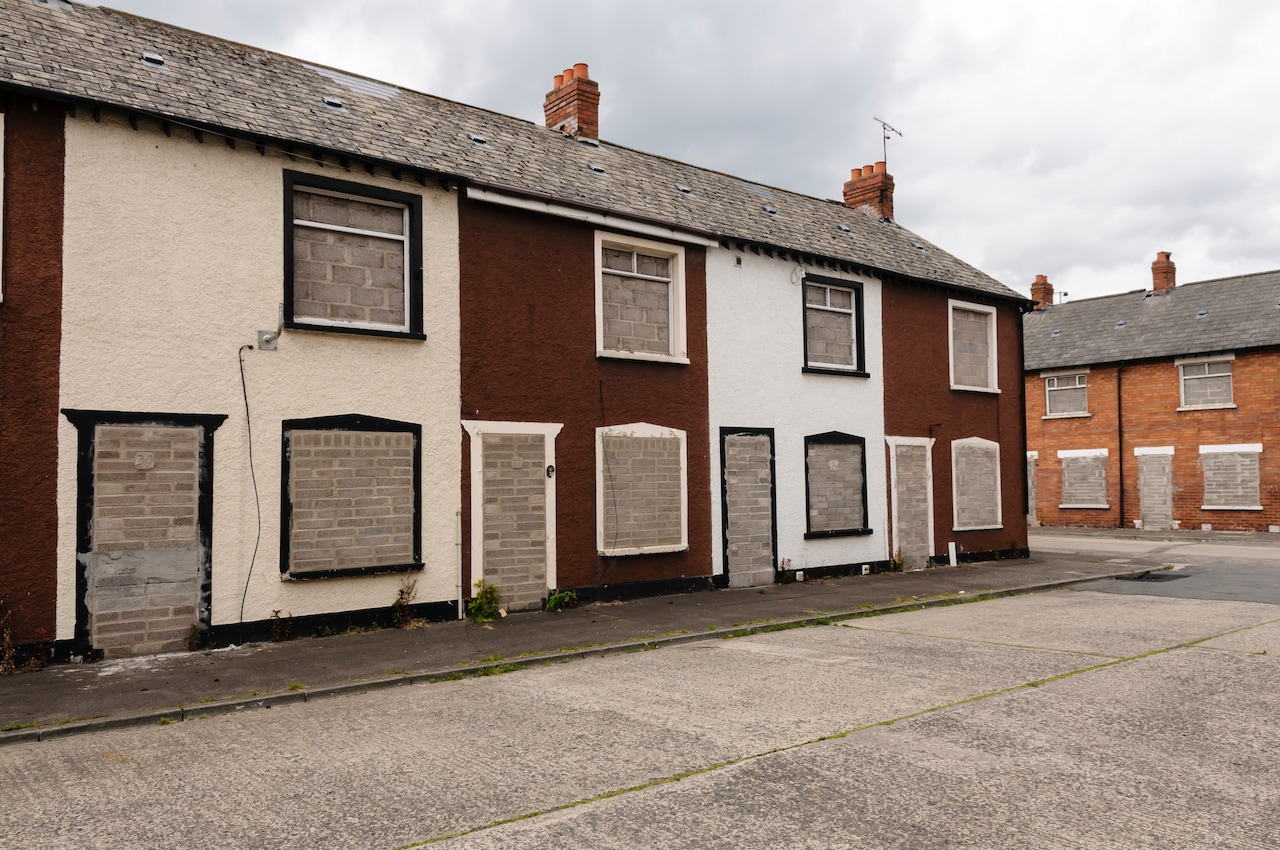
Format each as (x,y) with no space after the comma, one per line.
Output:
(1163,575)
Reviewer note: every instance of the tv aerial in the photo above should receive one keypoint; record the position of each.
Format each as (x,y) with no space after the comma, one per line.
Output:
(886,128)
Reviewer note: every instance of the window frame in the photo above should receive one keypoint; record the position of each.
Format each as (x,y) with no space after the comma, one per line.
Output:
(835,438)
(347,422)
(677,333)
(2,205)
(955,500)
(650,431)
(993,360)
(1254,449)
(858,368)
(1065,455)
(1082,384)
(413,260)
(1183,362)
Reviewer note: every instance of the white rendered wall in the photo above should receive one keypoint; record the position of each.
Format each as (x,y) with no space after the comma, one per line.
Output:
(173,260)
(755,342)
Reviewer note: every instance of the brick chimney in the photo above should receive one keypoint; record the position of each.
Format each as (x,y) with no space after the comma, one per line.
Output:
(1042,292)
(1163,272)
(871,186)
(573,104)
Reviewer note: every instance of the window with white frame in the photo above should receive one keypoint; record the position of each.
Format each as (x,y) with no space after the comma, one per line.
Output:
(833,325)
(972,337)
(1206,383)
(353,257)
(1231,477)
(640,299)
(1066,395)
(975,484)
(835,484)
(642,496)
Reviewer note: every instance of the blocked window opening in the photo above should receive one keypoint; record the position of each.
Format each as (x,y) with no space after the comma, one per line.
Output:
(975,484)
(973,346)
(640,300)
(835,484)
(832,325)
(351,496)
(354,257)
(1084,478)
(641,490)
(1231,477)
(1066,395)
(1206,384)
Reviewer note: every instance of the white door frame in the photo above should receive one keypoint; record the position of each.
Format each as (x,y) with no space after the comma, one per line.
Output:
(893,443)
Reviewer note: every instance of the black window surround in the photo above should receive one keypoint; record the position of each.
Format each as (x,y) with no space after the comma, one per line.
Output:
(348,422)
(413,260)
(859,367)
(836,437)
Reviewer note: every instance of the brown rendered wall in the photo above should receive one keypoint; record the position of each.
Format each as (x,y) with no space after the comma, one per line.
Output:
(919,402)
(1148,400)
(529,355)
(30,338)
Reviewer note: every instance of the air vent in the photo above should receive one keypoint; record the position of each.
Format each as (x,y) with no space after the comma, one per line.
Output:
(770,211)
(583,140)
(1202,314)
(155,60)
(478,141)
(918,246)
(683,189)
(844,228)
(1120,324)
(598,169)
(1056,332)
(332,102)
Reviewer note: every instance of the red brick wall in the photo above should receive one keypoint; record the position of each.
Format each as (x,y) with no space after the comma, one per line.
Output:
(30,337)
(919,402)
(1149,400)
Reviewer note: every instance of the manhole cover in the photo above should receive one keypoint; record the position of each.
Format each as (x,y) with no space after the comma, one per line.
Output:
(1163,575)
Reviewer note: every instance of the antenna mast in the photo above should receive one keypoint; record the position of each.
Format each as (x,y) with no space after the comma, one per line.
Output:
(886,129)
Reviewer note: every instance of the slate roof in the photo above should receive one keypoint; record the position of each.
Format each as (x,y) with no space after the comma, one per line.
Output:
(93,56)
(1228,314)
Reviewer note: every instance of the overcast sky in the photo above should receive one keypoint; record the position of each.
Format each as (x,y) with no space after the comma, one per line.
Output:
(1072,139)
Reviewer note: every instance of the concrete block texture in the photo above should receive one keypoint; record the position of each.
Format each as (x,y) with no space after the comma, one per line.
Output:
(352,499)
(515,518)
(1155,491)
(977,485)
(1231,479)
(1084,480)
(643,481)
(970,348)
(637,314)
(835,486)
(911,505)
(748,491)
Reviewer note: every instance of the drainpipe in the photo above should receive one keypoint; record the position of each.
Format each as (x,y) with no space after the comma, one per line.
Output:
(1120,436)
(457,539)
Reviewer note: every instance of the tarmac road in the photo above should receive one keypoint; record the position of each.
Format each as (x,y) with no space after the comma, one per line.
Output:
(1071,718)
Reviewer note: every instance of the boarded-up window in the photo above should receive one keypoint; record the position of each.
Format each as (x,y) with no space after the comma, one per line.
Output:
(1084,478)
(354,256)
(1206,384)
(1065,395)
(973,347)
(351,498)
(832,322)
(835,483)
(640,299)
(641,489)
(975,483)
(1231,478)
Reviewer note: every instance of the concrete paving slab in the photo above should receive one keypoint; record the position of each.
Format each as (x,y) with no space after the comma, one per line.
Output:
(1080,621)
(1262,640)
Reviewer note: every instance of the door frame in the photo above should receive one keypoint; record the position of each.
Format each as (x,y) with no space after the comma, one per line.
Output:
(893,443)
(476,429)
(86,423)
(724,493)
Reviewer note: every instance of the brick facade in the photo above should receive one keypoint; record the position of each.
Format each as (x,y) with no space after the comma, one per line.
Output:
(1147,397)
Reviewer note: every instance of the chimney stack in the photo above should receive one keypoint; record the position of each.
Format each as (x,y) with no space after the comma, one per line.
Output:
(573,104)
(871,186)
(1042,292)
(1163,273)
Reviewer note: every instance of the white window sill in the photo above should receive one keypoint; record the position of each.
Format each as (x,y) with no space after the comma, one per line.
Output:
(640,355)
(1231,507)
(1068,416)
(991,390)
(1079,507)
(1207,407)
(976,527)
(641,550)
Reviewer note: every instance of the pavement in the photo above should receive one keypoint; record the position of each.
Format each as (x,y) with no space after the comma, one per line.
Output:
(73,699)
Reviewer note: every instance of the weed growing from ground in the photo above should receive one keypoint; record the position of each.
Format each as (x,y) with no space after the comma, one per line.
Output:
(483,608)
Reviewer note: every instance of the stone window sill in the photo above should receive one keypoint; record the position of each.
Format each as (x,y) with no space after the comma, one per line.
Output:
(1083,507)
(976,527)
(1231,507)
(1207,407)
(1068,416)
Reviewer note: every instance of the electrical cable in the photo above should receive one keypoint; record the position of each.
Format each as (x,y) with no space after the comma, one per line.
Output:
(257,503)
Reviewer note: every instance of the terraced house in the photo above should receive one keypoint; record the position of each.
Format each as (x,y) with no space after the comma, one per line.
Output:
(278,341)
(1156,408)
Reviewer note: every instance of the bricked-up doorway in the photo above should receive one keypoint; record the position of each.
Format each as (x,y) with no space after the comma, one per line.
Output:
(911,477)
(1155,487)
(144,521)
(513,510)
(748,506)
